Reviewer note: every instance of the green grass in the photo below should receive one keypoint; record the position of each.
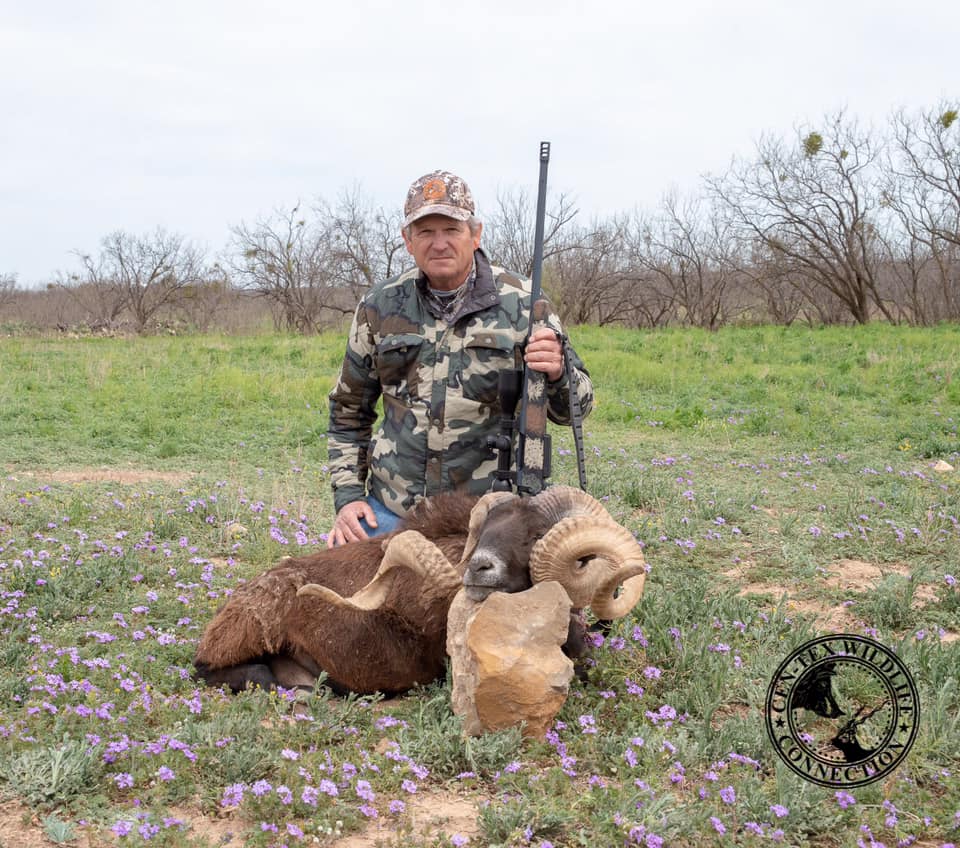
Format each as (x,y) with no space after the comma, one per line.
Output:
(781,480)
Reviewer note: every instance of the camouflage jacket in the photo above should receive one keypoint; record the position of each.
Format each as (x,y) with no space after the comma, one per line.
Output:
(439,384)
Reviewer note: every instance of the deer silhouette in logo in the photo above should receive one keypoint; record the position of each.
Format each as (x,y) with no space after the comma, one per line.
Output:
(815,692)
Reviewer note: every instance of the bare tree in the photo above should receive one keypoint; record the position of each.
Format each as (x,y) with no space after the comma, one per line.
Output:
(509,231)
(927,155)
(153,270)
(922,191)
(137,275)
(588,281)
(645,305)
(95,291)
(201,303)
(765,285)
(8,289)
(312,268)
(364,243)
(284,260)
(686,251)
(811,205)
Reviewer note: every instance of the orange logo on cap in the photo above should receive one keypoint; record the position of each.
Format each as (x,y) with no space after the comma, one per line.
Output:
(435,190)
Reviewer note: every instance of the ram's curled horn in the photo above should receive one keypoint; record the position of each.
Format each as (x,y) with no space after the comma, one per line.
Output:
(590,558)
(559,502)
(408,549)
(477,516)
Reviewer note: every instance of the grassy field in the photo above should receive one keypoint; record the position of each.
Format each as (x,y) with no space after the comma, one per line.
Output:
(783,481)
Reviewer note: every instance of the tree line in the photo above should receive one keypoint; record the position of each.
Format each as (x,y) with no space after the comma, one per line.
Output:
(836,223)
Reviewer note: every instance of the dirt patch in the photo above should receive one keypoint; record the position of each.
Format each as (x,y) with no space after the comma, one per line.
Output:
(851,576)
(123,476)
(835,619)
(855,575)
(831,619)
(428,814)
(215,831)
(725,712)
(20,827)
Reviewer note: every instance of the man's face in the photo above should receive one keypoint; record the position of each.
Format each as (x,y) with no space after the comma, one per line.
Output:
(443,249)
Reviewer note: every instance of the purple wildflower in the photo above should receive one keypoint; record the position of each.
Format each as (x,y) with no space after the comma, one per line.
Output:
(232,795)
(844,799)
(122,828)
(123,780)
(148,831)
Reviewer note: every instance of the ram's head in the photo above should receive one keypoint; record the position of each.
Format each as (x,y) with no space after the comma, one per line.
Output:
(562,534)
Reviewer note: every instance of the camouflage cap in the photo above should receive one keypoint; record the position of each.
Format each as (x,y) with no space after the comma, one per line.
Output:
(438,193)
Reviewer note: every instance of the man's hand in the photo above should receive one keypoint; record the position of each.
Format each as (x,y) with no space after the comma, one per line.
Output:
(346,526)
(545,354)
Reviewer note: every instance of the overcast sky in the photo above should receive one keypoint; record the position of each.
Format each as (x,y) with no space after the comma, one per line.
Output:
(195,116)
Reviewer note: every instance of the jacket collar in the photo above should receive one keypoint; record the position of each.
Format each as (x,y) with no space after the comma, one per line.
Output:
(483,293)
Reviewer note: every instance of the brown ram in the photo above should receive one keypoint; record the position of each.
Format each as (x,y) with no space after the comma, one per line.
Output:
(372,615)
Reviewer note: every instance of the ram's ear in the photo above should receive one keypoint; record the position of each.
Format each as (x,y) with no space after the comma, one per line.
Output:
(410,550)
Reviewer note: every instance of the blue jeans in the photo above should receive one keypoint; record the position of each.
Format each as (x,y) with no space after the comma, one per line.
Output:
(386,520)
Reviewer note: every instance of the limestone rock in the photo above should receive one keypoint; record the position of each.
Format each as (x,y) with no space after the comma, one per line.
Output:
(942,466)
(506,659)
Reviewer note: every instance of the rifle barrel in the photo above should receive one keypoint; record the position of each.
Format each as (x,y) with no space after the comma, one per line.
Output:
(537,274)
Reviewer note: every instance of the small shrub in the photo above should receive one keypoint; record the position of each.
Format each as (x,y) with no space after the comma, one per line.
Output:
(54,775)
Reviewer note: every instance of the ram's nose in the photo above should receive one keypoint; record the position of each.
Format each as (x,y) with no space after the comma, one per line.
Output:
(480,563)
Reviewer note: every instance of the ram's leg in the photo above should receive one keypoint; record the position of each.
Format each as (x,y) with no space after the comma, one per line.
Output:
(290,674)
(578,646)
(237,677)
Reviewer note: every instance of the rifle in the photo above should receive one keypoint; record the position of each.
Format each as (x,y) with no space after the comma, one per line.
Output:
(533,447)
(533,442)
